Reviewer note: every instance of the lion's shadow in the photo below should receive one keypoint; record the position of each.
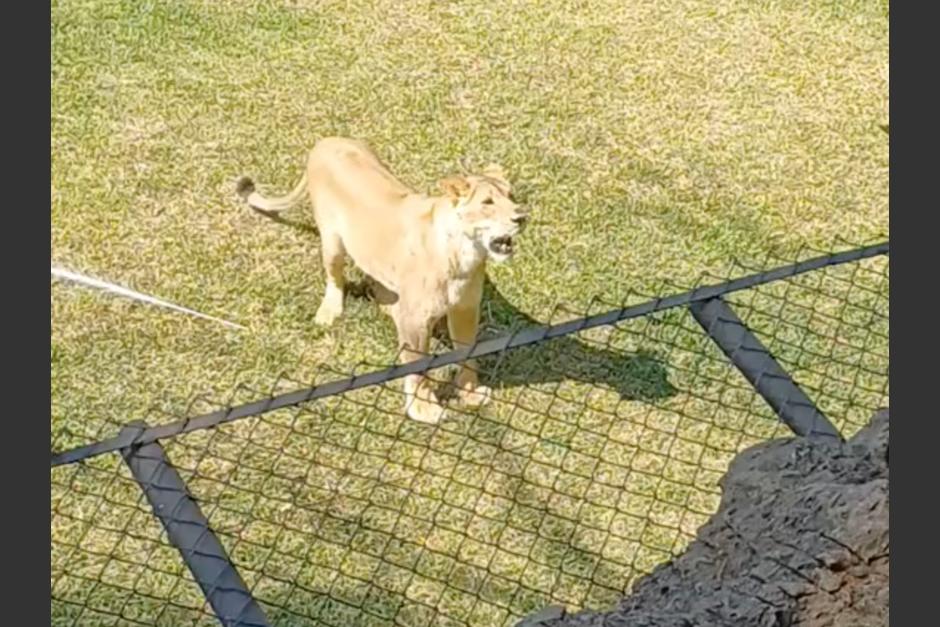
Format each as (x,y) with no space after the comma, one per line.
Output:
(639,375)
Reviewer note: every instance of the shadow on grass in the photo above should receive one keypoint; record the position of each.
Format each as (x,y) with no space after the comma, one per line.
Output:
(640,375)
(306,227)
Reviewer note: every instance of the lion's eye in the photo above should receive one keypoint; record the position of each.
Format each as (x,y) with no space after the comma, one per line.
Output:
(488,201)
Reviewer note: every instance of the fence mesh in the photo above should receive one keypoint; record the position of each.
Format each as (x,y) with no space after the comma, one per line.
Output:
(599,456)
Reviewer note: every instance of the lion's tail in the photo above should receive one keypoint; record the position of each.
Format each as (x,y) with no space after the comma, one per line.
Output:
(246,189)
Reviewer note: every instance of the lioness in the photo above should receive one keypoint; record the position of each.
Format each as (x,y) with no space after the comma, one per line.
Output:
(426,252)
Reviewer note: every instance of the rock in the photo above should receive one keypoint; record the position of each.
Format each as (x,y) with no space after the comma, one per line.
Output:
(800,539)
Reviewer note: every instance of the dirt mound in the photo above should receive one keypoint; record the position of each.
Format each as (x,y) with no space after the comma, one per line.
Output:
(800,538)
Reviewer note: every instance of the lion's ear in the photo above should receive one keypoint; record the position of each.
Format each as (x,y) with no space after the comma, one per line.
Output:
(496,171)
(455,186)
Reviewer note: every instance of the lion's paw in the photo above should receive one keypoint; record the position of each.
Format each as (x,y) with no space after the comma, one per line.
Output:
(427,411)
(327,313)
(477,397)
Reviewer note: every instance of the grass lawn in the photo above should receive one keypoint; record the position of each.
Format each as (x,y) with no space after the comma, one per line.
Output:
(653,141)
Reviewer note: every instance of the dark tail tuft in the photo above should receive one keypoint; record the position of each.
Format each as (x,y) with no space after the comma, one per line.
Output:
(245,187)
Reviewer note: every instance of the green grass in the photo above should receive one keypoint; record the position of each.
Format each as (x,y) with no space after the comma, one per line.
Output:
(653,142)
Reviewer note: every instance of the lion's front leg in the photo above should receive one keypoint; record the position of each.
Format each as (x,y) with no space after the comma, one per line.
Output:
(421,403)
(463,322)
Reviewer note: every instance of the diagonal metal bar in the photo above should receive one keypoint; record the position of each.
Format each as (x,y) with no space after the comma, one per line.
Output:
(189,532)
(756,363)
(526,337)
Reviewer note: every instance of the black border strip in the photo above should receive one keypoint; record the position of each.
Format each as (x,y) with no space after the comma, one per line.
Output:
(189,532)
(532,335)
(758,366)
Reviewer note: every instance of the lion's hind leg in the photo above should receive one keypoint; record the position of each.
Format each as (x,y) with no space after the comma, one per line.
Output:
(334,261)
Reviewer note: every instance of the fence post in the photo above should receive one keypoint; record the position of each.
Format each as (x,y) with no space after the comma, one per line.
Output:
(188,530)
(756,363)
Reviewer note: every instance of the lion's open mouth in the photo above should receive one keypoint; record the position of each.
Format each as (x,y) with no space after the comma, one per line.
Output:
(501,245)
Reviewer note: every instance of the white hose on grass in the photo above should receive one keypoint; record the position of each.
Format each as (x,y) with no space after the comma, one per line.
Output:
(68,275)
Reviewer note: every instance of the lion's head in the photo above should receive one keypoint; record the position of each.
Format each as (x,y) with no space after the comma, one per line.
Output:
(485,210)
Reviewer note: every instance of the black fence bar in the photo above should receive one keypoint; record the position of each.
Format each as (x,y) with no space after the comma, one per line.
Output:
(188,530)
(756,363)
(525,337)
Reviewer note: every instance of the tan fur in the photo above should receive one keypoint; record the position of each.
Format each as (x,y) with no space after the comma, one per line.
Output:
(427,252)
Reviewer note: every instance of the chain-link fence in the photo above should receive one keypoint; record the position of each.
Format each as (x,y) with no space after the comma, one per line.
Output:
(597,459)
